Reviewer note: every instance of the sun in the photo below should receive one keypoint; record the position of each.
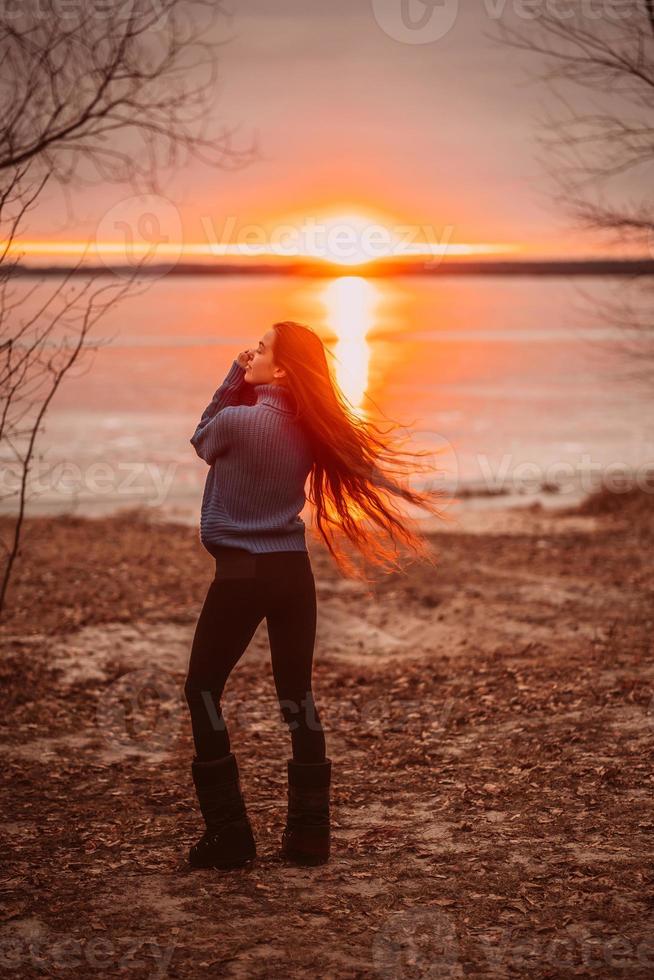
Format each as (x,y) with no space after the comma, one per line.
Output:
(349,239)
(356,239)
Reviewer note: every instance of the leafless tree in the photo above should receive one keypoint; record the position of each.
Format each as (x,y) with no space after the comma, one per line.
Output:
(116,89)
(598,62)
(90,92)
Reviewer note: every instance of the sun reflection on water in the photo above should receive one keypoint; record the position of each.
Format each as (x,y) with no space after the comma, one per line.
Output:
(352,304)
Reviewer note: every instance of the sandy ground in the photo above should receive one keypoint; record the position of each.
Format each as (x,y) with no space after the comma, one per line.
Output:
(490,725)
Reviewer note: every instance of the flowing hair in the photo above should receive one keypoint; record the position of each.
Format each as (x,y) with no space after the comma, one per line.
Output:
(358,468)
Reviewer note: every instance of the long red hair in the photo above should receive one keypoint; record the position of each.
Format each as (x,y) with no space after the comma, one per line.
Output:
(359,469)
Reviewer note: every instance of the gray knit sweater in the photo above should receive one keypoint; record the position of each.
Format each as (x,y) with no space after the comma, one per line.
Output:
(259,458)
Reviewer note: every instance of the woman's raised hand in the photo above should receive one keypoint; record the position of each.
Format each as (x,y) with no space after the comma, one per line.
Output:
(244,358)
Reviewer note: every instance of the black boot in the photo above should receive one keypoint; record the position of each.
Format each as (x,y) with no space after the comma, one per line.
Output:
(306,836)
(228,841)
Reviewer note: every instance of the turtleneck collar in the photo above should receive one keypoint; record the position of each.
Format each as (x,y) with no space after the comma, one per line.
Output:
(278,396)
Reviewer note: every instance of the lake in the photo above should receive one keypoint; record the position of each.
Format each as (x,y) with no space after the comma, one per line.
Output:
(514,380)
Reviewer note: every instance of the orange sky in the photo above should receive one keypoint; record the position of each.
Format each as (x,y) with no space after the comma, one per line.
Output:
(425,142)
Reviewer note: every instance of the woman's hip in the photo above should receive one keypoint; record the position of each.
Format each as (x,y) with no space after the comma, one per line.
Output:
(271,566)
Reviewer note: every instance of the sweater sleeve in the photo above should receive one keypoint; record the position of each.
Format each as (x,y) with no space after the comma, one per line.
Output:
(210,436)
(230,392)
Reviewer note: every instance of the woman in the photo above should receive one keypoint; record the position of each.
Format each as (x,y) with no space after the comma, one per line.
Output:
(277,419)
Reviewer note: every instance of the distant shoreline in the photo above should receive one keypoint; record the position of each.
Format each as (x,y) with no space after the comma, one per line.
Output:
(373,270)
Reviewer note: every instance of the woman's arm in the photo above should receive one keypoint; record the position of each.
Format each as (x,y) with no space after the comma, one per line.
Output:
(210,438)
(231,392)
(213,437)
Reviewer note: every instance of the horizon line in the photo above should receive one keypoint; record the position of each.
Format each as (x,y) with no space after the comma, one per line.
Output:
(385,267)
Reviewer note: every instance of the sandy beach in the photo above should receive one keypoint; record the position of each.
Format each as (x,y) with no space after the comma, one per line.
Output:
(490,724)
(387,261)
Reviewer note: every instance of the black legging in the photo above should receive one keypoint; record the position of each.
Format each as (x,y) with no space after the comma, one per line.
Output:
(247,587)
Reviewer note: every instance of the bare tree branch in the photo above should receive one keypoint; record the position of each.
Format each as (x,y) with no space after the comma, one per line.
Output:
(69,81)
(604,135)
(88,93)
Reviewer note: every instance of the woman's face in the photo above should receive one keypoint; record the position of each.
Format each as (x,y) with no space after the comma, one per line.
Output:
(261,369)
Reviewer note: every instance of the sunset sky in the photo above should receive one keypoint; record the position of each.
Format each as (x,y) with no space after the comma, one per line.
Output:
(353,122)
